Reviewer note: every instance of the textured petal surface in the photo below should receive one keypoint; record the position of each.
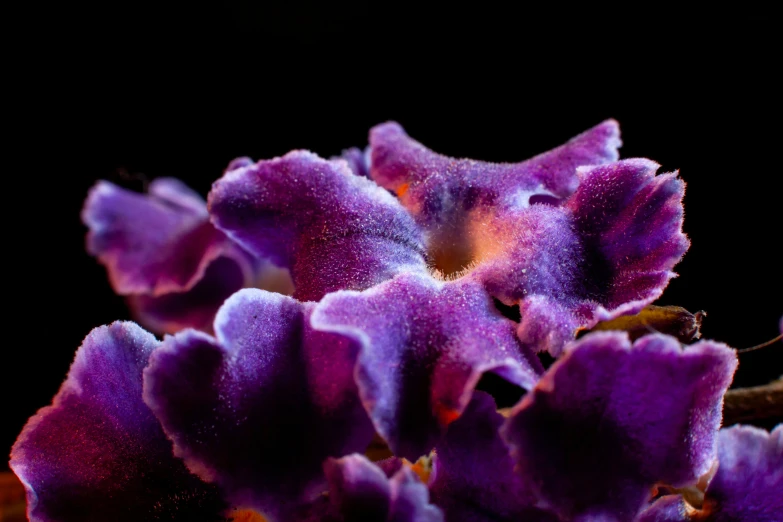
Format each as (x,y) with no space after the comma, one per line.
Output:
(334,230)
(152,243)
(160,249)
(447,196)
(473,478)
(607,251)
(610,420)
(746,485)
(749,480)
(359,491)
(98,453)
(261,406)
(424,346)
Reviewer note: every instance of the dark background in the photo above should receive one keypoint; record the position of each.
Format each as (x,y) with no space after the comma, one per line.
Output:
(141,92)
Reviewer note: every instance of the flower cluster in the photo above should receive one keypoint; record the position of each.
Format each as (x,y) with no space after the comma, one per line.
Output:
(315,306)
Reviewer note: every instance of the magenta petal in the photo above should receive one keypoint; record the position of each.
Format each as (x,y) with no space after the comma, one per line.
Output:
(334,230)
(161,250)
(260,407)
(424,346)
(473,476)
(610,420)
(98,453)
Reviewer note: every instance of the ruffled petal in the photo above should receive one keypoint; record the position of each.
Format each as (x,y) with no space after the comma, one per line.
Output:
(746,485)
(448,196)
(610,420)
(608,251)
(360,491)
(261,406)
(334,230)
(437,188)
(424,345)
(160,250)
(749,480)
(197,307)
(98,453)
(473,476)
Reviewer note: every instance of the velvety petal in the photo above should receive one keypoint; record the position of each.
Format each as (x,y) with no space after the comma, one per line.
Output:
(749,480)
(197,307)
(258,408)
(160,249)
(98,453)
(607,251)
(153,243)
(447,196)
(424,346)
(334,230)
(359,491)
(610,420)
(437,188)
(746,485)
(473,478)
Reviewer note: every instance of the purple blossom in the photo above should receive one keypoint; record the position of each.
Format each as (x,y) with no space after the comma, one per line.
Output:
(397,258)
(162,252)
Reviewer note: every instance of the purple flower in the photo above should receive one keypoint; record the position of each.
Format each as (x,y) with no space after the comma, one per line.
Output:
(398,259)
(162,252)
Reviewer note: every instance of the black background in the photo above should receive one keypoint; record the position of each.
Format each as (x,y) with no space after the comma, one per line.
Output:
(139,92)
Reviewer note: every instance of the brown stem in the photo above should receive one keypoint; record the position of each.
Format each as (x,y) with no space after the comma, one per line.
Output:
(757,403)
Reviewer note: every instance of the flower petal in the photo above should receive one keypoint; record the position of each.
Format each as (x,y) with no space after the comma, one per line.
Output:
(448,196)
(437,188)
(334,230)
(610,420)
(608,251)
(473,478)
(749,480)
(98,453)
(746,485)
(361,492)
(424,346)
(161,250)
(258,408)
